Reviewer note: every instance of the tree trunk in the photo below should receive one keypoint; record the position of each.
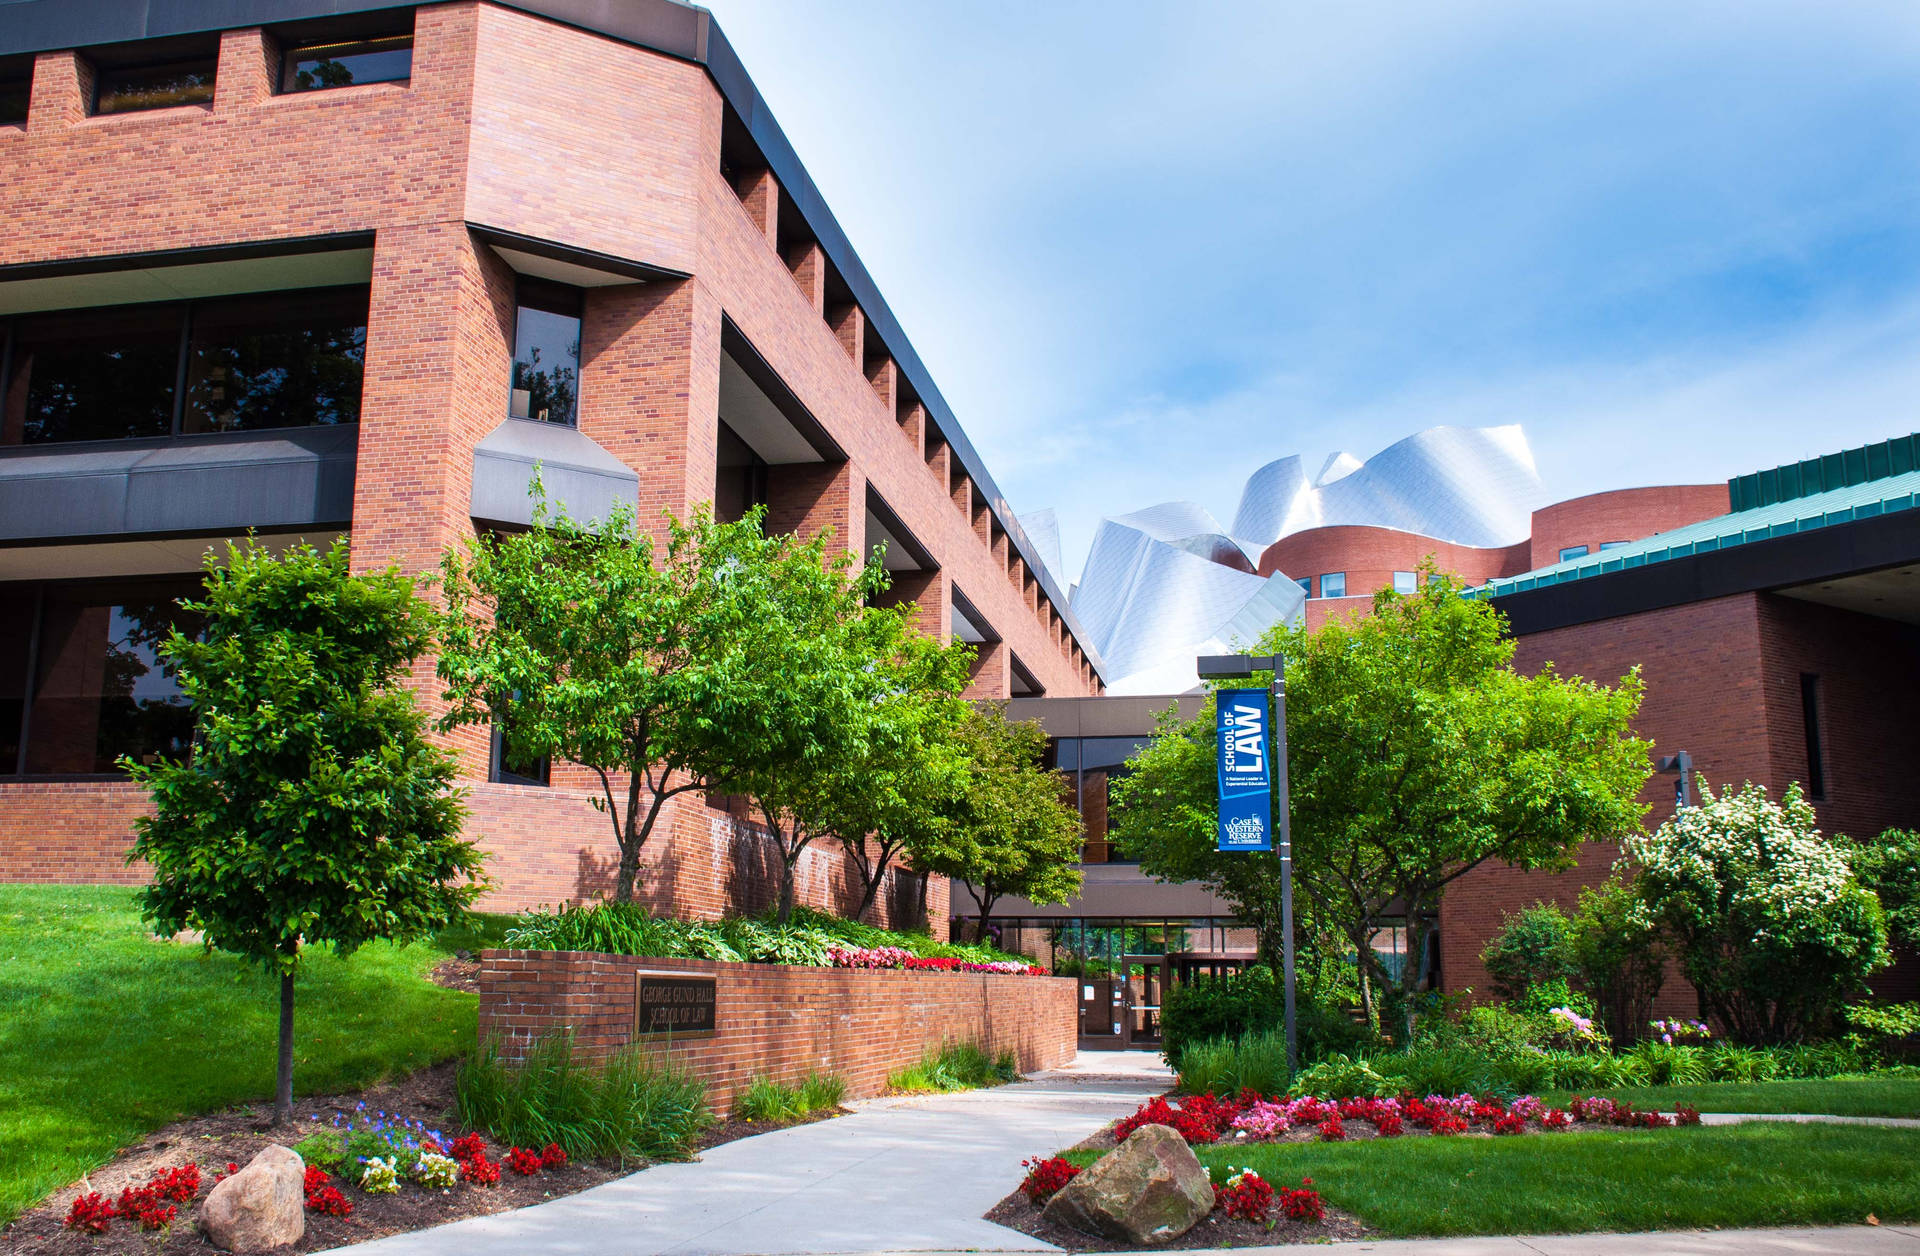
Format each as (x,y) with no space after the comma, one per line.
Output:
(986,913)
(283,1086)
(630,843)
(926,880)
(786,884)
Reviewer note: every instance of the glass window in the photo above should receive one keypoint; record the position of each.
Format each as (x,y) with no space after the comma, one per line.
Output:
(1572,552)
(123,89)
(94,374)
(546,353)
(318,66)
(740,477)
(1333,584)
(100,690)
(1305,583)
(1612,545)
(291,359)
(508,768)
(16,88)
(18,609)
(1406,581)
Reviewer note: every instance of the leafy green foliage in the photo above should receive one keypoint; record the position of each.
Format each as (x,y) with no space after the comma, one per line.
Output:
(1890,867)
(765,1099)
(633,1106)
(325,1148)
(1209,1008)
(1007,829)
(313,811)
(1620,956)
(1533,945)
(956,1066)
(1255,1060)
(628,929)
(1771,927)
(1417,754)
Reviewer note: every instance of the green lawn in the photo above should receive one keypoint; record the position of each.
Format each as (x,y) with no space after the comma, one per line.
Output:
(107,1032)
(1744,1175)
(1897,1095)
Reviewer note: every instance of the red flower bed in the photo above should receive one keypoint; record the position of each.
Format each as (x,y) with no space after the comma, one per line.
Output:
(1303,1203)
(553,1156)
(1045,1177)
(525,1163)
(92,1213)
(1246,1195)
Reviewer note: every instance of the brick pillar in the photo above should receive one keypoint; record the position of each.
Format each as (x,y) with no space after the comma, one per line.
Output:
(992,676)
(849,323)
(938,455)
(960,488)
(650,389)
(760,194)
(913,423)
(247,70)
(809,267)
(884,374)
(804,497)
(62,91)
(931,595)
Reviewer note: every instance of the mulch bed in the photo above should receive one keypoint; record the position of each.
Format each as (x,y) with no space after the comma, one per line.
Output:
(1215,1230)
(238,1133)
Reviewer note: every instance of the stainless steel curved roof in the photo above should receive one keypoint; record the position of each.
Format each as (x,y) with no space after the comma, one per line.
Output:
(1166,584)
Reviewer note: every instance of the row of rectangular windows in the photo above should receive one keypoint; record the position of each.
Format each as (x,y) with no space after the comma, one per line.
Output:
(129,79)
(1334,583)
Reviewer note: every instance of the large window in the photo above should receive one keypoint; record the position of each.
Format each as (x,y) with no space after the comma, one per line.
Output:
(288,359)
(318,66)
(1091,765)
(125,89)
(81,681)
(546,353)
(1406,583)
(1333,584)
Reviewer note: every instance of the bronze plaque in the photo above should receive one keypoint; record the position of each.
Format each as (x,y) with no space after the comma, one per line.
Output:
(672,1005)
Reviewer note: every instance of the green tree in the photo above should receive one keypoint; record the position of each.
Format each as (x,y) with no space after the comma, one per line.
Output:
(313,809)
(1534,946)
(1621,959)
(1890,867)
(1770,925)
(1008,829)
(1417,754)
(585,643)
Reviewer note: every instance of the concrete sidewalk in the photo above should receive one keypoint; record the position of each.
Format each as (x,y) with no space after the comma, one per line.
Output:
(911,1174)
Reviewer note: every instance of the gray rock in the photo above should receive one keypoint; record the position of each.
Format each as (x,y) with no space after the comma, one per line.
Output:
(1149,1190)
(262,1207)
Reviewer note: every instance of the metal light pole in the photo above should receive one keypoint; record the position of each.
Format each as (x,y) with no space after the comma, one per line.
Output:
(1243,667)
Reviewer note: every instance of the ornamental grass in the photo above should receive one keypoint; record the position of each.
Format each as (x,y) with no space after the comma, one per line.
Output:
(633,1106)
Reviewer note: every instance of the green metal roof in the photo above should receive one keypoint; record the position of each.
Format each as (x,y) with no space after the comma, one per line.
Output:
(1801,512)
(1880,461)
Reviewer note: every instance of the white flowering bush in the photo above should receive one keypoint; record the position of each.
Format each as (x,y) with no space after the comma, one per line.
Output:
(1769,923)
(380,1177)
(435,1172)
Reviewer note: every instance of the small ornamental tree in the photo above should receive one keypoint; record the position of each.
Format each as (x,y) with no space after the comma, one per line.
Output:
(1416,755)
(1009,829)
(1620,955)
(589,644)
(313,809)
(1770,925)
(1890,866)
(1534,946)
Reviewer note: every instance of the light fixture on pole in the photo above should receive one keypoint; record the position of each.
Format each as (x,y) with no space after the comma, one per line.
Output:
(1682,788)
(1244,667)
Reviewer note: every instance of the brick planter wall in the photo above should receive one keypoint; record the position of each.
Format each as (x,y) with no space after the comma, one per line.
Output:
(782,1021)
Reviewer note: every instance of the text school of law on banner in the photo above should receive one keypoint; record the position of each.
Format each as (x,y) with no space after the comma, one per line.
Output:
(1246,780)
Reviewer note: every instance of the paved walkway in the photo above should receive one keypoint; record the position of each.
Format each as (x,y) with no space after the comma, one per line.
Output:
(912,1173)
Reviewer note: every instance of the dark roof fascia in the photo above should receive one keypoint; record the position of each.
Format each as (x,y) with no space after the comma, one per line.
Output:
(289,246)
(590,259)
(666,26)
(1841,549)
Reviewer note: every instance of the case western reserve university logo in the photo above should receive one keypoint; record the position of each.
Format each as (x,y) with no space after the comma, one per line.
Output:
(1246,783)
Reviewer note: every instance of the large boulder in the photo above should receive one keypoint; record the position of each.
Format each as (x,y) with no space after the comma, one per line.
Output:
(262,1207)
(1149,1190)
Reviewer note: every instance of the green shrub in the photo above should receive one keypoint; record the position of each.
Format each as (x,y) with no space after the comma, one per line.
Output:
(632,1107)
(956,1066)
(1731,1062)
(1675,1064)
(325,1148)
(1225,1066)
(765,1099)
(1339,1077)
(1226,1008)
(1620,958)
(1532,947)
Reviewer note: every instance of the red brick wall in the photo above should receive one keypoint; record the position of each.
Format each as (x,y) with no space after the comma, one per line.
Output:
(1723,683)
(783,1022)
(1370,556)
(1621,515)
(74,831)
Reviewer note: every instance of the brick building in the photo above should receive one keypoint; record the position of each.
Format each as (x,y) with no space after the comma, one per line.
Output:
(319,266)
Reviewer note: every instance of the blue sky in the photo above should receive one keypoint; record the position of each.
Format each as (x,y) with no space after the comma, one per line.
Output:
(1145,248)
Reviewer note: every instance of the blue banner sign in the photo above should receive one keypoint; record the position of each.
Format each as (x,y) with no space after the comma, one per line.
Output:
(1245,746)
